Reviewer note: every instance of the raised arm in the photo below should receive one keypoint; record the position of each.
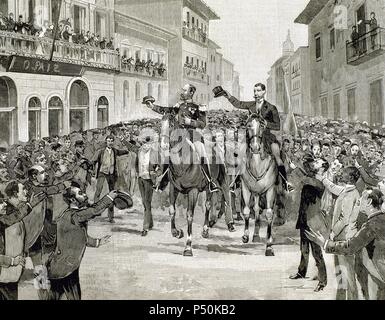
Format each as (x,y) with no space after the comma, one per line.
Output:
(239,104)
(97,209)
(331,187)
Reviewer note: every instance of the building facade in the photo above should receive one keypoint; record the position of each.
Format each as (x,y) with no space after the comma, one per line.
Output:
(74,91)
(346,77)
(188,57)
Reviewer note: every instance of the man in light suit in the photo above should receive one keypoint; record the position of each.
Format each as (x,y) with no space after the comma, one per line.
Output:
(107,170)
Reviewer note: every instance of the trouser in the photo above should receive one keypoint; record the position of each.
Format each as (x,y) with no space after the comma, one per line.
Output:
(110,178)
(68,286)
(9,291)
(346,279)
(146,191)
(317,255)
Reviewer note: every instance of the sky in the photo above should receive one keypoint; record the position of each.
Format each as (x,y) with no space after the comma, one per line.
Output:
(251,33)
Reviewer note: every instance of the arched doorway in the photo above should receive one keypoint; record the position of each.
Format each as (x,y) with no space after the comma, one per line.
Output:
(8,112)
(102,112)
(34,118)
(55,116)
(79,106)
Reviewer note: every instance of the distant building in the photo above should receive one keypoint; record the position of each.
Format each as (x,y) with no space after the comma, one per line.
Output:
(346,77)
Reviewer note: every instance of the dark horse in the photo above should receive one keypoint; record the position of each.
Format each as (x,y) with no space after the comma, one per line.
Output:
(259,178)
(186,177)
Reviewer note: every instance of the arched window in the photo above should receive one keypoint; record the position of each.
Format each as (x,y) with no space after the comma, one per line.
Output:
(149,89)
(34,116)
(8,112)
(79,106)
(126,94)
(137,91)
(102,112)
(55,116)
(160,93)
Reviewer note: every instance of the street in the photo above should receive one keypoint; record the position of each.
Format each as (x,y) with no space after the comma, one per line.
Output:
(152,267)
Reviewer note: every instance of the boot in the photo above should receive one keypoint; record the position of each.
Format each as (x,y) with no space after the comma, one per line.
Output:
(285,183)
(206,170)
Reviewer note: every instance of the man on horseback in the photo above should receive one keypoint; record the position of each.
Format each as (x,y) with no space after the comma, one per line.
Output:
(270,115)
(189,117)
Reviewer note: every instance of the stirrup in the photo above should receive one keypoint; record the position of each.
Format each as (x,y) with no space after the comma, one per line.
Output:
(289,188)
(212,184)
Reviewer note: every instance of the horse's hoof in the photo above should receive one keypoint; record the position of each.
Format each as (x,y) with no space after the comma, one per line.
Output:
(245,239)
(256,238)
(188,253)
(269,252)
(205,234)
(174,233)
(230,227)
(180,234)
(212,223)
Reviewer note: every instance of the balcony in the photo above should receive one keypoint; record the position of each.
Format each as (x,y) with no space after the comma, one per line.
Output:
(145,69)
(196,75)
(12,43)
(366,47)
(195,35)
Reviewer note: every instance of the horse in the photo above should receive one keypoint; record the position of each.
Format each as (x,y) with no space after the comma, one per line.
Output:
(186,177)
(259,178)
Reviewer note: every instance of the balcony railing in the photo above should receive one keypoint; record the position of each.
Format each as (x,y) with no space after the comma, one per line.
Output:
(366,47)
(195,74)
(12,43)
(156,71)
(195,35)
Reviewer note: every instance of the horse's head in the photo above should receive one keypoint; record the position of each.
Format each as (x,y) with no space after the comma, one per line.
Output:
(255,127)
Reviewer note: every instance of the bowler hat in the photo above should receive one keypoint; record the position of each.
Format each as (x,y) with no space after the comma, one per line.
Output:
(123,200)
(219,92)
(148,99)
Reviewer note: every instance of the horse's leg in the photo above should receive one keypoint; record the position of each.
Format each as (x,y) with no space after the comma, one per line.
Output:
(207,223)
(246,211)
(257,210)
(271,195)
(192,201)
(172,211)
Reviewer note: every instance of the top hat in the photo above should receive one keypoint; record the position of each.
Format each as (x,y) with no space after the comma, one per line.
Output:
(219,92)
(148,99)
(123,200)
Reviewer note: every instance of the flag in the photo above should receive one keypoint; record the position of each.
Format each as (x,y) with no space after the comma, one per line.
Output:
(290,125)
(56,8)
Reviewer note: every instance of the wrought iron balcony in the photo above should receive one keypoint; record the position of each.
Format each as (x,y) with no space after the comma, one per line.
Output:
(194,34)
(366,47)
(12,43)
(195,74)
(155,71)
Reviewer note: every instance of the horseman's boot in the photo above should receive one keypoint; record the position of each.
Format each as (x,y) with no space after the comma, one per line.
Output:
(206,170)
(285,183)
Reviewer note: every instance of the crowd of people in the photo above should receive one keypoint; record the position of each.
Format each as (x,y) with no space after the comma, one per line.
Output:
(152,68)
(64,32)
(196,31)
(331,164)
(196,68)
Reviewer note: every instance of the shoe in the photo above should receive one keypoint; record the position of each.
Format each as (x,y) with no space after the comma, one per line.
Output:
(296,276)
(315,278)
(320,286)
(144,233)
(111,221)
(230,226)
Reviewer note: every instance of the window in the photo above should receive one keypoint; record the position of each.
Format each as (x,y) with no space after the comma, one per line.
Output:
(351,104)
(318,47)
(101,24)
(137,91)
(102,112)
(192,21)
(337,106)
(79,19)
(126,94)
(332,39)
(55,116)
(187,59)
(34,108)
(192,60)
(188,19)
(79,106)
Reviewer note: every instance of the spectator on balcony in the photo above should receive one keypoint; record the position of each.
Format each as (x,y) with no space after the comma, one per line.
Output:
(103,43)
(87,37)
(110,44)
(82,38)
(34,28)
(3,22)
(355,39)
(66,33)
(10,23)
(97,41)
(20,25)
(373,28)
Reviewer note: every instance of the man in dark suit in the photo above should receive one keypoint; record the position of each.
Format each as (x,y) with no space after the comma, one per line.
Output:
(270,114)
(72,239)
(106,170)
(310,204)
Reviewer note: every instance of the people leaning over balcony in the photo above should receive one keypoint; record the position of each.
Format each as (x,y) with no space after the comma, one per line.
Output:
(355,39)
(373,28)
